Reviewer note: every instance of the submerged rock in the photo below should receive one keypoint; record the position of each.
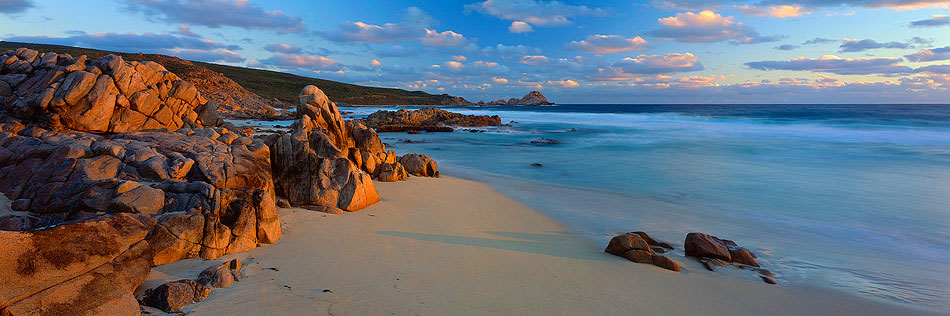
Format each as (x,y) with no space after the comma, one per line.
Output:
(545,141)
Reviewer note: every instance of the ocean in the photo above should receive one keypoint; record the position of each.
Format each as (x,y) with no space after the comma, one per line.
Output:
(855,197)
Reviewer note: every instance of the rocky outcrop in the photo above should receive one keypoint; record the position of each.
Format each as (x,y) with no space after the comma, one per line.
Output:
(98,96)
(714,252)
(171,297)
(318,163)
(635,248)
(532,98)
(419,165)
(430,119)
(210,189)
(86,268)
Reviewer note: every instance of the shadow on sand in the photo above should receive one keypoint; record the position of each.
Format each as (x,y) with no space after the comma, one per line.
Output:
(557,244)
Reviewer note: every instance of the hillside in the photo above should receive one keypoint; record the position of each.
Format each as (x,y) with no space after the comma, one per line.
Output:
(220,82)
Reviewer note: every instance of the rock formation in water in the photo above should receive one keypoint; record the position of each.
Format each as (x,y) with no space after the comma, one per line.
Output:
(429,119)
(714,252)
(532,98)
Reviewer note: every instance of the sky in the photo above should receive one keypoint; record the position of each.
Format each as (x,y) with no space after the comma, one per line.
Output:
(654,51)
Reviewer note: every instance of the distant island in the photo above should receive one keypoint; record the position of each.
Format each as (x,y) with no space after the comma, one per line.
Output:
(532,98)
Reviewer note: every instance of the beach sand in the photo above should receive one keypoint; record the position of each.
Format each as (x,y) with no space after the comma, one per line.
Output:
(447,246)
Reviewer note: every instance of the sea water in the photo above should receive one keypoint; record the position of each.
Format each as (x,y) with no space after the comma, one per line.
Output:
(855,197)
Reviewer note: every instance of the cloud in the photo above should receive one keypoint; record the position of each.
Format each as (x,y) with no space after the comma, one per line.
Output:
(509,51)
(15,6)
(777,11)
(485,64)
(563,83)
(282,48)
(819,40)
(302,62)
(609,44)
(535,60)
(459,58)
(933,54)
(375,63)
(126,42)
(453,65)
(443,39)
(660,64)
(224,55)
(183,30)
(413,25)
(837,65)
(707,27)
(935,69)
(537,13)
(520,27)
(786,47)
(874,4)
(218,13)
(853,45)
(500,80)
(933,21)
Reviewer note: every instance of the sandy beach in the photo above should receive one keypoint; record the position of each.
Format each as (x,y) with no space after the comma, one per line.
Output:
(445,246)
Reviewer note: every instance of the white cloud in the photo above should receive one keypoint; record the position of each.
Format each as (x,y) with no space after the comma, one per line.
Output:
(609,44)
(707,27)
(537,13)
(520,27)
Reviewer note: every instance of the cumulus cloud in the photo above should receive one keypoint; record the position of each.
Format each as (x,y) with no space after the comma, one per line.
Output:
(485,64)
(609,44)
(127,42)
(537,13)
(375,63)
(660,64)
(282,48)
(302,62)
(854,45)
(218,13)
(934,54)
(520,27)
(933,21)
(777,11)
(836,65)
(15,6)
(567,83)
(509,51)
(535,60)
(707,27)
(443,39)
(414,25)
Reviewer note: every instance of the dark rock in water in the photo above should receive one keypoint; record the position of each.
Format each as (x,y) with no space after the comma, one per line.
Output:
(513,122)
(545,141)
(653,243)
(665,263)
(429,119)
(705,246)
(713,264)
(537,165)
(767,279)
(572,130)
(638,256)
(173,296)
(743,256)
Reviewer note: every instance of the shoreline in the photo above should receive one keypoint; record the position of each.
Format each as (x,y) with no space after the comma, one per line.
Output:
(453,246)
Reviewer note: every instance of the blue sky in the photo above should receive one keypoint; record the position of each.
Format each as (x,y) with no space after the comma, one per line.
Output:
(675,51)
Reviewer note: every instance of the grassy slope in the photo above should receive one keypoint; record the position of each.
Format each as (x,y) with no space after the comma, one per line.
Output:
(267,84)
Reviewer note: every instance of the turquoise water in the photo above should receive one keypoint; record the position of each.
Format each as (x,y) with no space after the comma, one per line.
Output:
(854,197)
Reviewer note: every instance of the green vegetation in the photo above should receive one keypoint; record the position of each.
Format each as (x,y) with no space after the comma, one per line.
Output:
(265,83)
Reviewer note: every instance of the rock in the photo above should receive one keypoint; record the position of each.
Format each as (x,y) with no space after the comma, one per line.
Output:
(620,244)
(705,246)
(323,209)
(653,243)
(537,165)
(429,119)
(143,199)
(713,264)
(222,275)
(171,297)
(545,141)
(768,279)
(419,165)
(86,268)
(282,203)
(532,98)
(108,95)
(665,263)
(638,256)
(743,256)
(391,172)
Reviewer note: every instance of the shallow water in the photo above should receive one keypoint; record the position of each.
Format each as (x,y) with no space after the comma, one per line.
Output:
(851,196)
